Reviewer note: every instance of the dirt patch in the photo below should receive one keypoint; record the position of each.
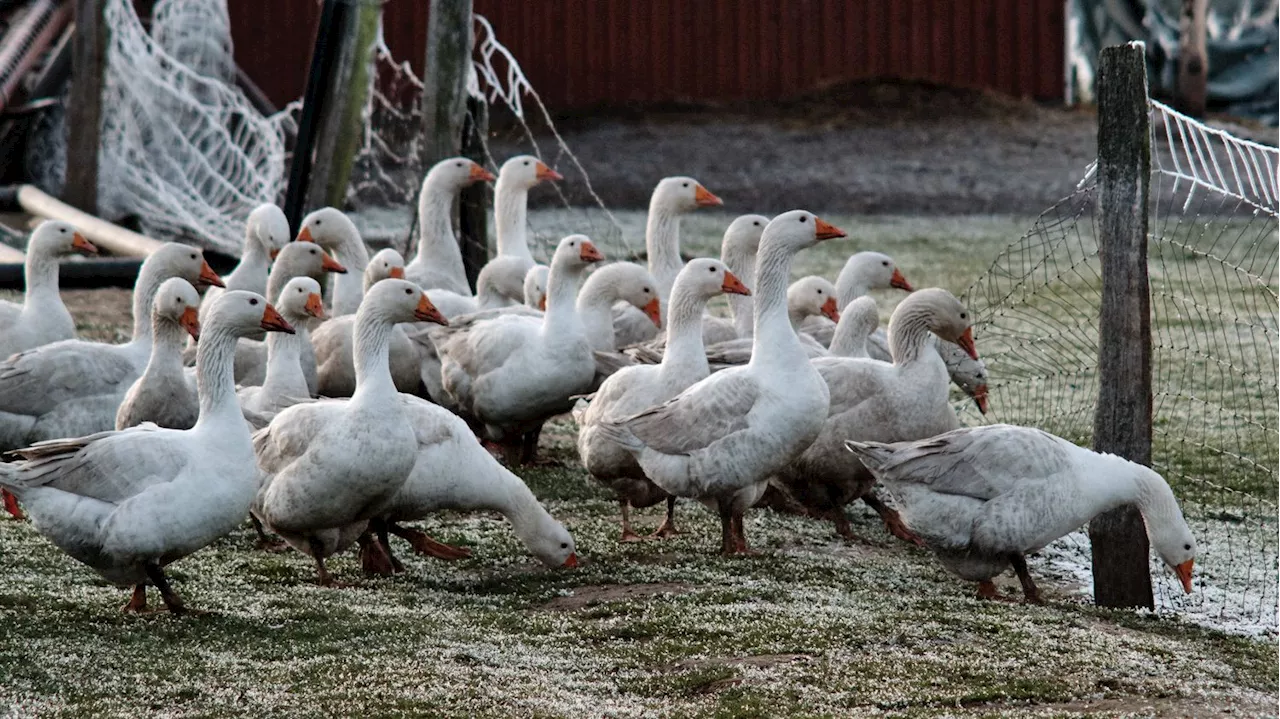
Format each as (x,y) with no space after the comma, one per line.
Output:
(102,315)
(584,597)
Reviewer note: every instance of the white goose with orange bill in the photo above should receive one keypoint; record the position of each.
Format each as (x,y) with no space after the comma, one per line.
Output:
(438,262)
(285,383)
(42,317)
(164,395)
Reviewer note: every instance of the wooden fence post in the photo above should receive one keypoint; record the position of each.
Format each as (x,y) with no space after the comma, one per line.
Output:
(1193,58)
(1122,424)
(295,199)
(84,111)
(473,225)
(450,37)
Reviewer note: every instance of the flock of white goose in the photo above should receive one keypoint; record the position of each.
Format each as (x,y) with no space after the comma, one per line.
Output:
(371,403)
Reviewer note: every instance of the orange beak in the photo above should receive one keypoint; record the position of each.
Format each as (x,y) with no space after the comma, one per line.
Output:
(589,253)
(315,307)
(980,398)
(479,174)
(702,197)
(81,244)
(542,302)
(545,173)
(190,321)
(825,230)
(274,253)
(1184,574)
(732,285)
(304,235)
(831,310)
(965,340)
(652,311)
(273,322)
(572,561)
(208,276)
(899,281)
(328,264)
(427,312)
(396,273)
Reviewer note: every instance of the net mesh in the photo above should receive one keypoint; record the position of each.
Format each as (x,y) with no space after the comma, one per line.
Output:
(1212,264)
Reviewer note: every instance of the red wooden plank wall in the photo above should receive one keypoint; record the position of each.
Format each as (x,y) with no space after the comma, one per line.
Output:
(585,53)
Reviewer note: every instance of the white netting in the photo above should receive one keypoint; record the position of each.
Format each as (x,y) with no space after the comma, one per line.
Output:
(1213,272)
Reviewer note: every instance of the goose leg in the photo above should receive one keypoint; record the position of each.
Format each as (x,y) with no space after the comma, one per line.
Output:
(265,542)
(740,545)
(727,544)
(373,558)
(529,446)
(317,552)
(668,526)
(987,590)
(422,544)
(628,534)
(138,602)
(843,527)
(892,520)
(11,504)
(171,598)
(396,566)
(1029,590)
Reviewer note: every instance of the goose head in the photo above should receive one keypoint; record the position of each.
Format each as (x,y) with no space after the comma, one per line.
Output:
(455,173)
(535,287)
(305,259)
(575,253)
(630,283)
(300,301)
(1166,528)
(946,316)
(386,264)
(330,228)
(178,303)
(54,238)
(810,296)
(869,271)
(742,236)
(242,313)
(968,374)
(550,542)
(797,230)
(396,301)
(185,261)
(268,227)
(681,194)
(525,171)
(705,278)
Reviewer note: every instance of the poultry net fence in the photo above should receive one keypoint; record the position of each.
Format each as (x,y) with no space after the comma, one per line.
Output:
(1212,261)
(185,152)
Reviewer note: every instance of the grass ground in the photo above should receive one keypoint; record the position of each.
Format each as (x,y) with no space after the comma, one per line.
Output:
(815,626)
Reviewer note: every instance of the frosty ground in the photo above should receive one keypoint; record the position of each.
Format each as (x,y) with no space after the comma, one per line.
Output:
(814,626)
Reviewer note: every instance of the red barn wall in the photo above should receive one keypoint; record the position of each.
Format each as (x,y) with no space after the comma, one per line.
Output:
(586,53)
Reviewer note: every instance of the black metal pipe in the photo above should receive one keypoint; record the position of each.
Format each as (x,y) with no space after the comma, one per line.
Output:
(312,105)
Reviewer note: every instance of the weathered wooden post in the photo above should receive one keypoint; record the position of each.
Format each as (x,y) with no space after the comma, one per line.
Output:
(1193,58)
(84,112)
(1122,424)
(322,55)
(450,37)
(473,225)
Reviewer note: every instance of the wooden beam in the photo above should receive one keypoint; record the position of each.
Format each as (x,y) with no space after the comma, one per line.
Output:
(1193,58)
(1122,423)
(84,110)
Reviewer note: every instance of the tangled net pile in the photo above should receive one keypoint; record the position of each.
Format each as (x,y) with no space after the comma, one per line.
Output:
(1212,264)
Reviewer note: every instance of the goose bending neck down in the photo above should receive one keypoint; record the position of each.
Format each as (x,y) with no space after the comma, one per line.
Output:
(438,262)
(857,321)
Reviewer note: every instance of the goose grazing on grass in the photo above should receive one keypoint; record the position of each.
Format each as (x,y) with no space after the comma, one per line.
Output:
(337,234)
(438,263)
(285,383)
(454,472)
(982,497)
(877,401)
(639,387)
(73,388)
(721,439)
(163,395)
(330,466)
(512,372)
(266,232)
(672,198)
(42,318)
(127,503)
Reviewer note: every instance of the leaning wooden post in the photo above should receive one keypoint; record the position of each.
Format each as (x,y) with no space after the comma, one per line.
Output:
(449,45)
(1122,424)
(1193,58)
(84,112)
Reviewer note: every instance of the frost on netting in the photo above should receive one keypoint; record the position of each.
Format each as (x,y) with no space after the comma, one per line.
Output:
(1213,273)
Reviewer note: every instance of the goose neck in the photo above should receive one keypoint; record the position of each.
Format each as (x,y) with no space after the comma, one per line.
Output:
(252,267)
(662,242)
(562,315)
(40,275)
(685,351)
(284,363)
(167,345)
(215,377)
(371,355)
(437,246)
(774,337)
(510,211)
(595,309)
(908,334)
(144,295)
(849,289)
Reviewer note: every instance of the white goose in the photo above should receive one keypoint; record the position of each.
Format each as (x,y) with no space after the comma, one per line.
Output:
(858,321)
(454,472)
(810,296)
(616,282)
(535,287)
(505,273)
(73,387)
(266,232)
(862,273)
(512,372)
(639,387)
(128,503)
(738,252)
(438,263)
(42,318)
(337,234)
(982,497)
(873,400)
(163,395)
(285,383)
(721,439)
(329,466)
(672,198)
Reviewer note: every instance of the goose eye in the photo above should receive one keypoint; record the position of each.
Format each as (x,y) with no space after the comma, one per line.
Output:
(804,219)
(193,257)
(885,263)
(63,230)
(253,300)
(684,184)
(819,291)
(408,291)
(963,315)
(1187,547)
(459,164)
(756,223)
(565,545)
(526,163)
(711,269)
